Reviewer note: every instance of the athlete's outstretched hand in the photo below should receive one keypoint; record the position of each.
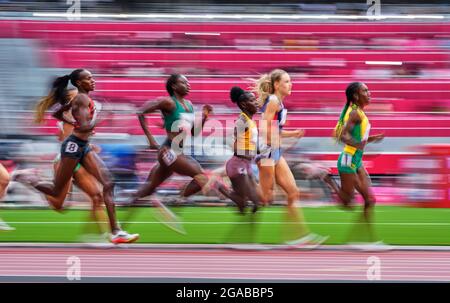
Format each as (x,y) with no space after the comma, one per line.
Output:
(206,111)
(376,138)
(299,133)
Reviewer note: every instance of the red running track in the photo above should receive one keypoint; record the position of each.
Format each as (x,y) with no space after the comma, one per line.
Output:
(220,264)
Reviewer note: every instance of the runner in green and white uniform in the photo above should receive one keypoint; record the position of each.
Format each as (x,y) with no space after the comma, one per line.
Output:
(178,116)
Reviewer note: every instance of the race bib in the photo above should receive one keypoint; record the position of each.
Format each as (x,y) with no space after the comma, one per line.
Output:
(242,171)
(168,157)
(346,160)
(71,147)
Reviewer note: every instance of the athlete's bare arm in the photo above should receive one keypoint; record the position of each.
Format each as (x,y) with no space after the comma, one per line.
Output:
(298,133)
(81,113)
(59,113)
(206,111)
(375,138)
(165,105)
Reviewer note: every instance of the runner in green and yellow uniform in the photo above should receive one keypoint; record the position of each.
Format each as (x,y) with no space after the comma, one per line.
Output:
(353,130)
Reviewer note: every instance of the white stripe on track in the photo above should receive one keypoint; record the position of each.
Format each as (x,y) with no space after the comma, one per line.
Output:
(138,249)
(238,223)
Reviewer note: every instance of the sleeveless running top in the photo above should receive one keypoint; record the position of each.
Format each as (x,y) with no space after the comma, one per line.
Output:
(92,113)
(360,132)
(246,135)
(281,114)
(184,119)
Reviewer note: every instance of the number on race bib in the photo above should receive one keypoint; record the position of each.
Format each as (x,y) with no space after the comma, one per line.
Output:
(346,160)
(242,171)
(169,157)
(71,147)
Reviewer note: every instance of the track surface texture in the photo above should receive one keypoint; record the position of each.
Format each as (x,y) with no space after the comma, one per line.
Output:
(220,264)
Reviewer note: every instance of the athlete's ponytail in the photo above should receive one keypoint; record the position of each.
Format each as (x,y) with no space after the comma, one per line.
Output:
(264,86)
(352,88)
(236,94)
(58,94)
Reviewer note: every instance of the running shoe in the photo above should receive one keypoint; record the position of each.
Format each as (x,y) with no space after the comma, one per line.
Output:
(96,240)
(123,237)
(371,246)
(5,227)
(310,241)
(249,247)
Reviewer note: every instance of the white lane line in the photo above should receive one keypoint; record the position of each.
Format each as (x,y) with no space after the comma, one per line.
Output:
(238,223)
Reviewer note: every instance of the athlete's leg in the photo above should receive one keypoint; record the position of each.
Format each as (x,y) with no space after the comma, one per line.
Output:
(95,166)
(364,187)
(62,176)
(335,188)
(191,188)
(71,153)
(246,188)
(90,186)
(267,179)
(346,192)
(187,166)
(362,230)
(157,176)
(4,180)
(285,179)
(347,167)
(57,202)
(255,193)
(245,230)
(240,173)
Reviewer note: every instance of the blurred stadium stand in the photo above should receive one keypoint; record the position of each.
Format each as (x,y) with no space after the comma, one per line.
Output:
(217,6)
(132,60)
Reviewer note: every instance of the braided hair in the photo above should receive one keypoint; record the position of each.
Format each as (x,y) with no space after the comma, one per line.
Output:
(352,88)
